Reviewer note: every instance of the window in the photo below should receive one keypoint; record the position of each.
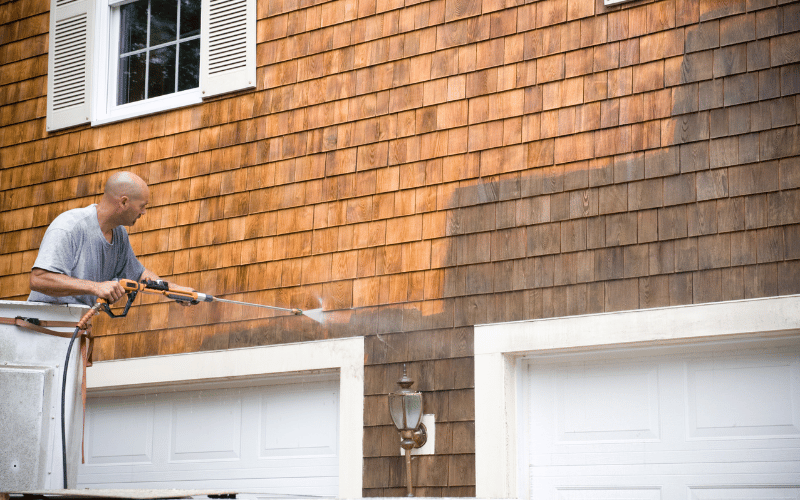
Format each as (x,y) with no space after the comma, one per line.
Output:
(159,49)
(115,59)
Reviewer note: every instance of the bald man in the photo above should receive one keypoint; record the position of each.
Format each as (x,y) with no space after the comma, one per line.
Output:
(85,249)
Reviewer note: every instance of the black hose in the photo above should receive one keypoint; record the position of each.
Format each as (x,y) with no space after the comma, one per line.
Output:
(63,404)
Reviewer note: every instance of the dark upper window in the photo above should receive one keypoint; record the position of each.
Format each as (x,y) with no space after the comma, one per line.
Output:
(159,49)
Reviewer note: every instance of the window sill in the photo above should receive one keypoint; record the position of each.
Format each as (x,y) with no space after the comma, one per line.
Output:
(149,107)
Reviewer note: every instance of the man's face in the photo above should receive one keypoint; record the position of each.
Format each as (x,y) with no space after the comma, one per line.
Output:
(136,206)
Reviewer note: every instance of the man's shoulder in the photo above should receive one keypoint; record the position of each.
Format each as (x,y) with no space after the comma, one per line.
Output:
(76,218)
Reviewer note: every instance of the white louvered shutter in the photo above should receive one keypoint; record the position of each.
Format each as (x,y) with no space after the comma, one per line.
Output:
(69,67)
(228,46)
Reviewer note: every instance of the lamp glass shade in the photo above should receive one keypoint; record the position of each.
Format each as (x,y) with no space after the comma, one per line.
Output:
(406,409)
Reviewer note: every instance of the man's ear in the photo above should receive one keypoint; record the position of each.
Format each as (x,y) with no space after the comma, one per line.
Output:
(123,200)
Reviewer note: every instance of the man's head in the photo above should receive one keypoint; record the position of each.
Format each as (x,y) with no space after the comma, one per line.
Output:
(127,195)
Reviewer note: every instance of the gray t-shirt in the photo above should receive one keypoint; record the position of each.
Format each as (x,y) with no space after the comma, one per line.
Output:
(74,245)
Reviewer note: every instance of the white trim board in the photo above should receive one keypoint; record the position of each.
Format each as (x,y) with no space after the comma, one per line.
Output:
(343,355)
(499,348)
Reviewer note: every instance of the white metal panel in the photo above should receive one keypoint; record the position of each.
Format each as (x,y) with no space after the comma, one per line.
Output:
(665,423)
(106,444)
(69,66)
(608,404)
(746,493)
(743,398)
(31,371)
(294,361)
(610,494)
(314,418)
(25,392)
(227,46)
(499,374)
(206,427)
(269,439)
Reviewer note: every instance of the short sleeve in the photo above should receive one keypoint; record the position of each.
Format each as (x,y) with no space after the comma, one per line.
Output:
(57,252)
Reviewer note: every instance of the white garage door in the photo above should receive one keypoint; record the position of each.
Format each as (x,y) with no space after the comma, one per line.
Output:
(271,439)
(706,423)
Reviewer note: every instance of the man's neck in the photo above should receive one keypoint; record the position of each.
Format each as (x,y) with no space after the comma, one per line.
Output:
(105,217)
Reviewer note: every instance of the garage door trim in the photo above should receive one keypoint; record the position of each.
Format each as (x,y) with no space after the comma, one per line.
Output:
(346,356)
(500,349)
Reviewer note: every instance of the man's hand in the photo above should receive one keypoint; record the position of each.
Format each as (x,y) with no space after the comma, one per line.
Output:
(110,291)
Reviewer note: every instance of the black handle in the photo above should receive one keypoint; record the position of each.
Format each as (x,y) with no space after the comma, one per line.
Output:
(106,309)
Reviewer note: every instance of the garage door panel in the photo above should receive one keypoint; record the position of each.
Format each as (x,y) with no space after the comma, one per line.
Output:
(310,408)
(713,492)
(217,419)
(320,486)
(272,438)
(745,493)
(593,405)
(743,398)
(670,488)
(278,472)
(609,494)
(601,426)
(588,490)
(769,453)
(224,470)
(106,444)
(651,473)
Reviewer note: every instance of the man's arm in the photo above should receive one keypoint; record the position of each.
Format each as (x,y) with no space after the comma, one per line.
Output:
(61,285)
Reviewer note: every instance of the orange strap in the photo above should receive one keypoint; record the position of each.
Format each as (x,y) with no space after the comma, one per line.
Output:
(86,354)
(39,326)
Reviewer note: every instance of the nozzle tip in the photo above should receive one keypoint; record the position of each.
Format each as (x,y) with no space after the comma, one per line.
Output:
(297,312)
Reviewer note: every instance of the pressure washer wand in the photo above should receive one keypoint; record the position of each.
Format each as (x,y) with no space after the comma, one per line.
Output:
(191,296)
(295,311)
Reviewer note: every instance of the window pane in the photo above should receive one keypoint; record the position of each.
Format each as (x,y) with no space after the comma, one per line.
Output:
(130,87)
(163,21)
(133,28)
(189,65)
(161,72)
(190,18)
(153,61)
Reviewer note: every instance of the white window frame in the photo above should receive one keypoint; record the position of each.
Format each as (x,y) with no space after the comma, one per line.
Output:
(500,351)
(82,66)
(106,49)
(345,356)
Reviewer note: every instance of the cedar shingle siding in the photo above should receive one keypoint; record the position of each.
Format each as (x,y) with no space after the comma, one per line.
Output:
(426,166)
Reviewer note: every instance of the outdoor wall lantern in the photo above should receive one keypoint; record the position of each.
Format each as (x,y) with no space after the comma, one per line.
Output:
(405,406)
